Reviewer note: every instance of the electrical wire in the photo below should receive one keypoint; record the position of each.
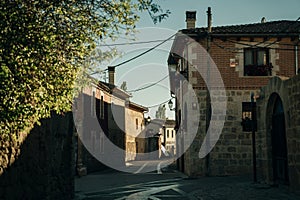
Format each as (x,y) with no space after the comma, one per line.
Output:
(148,86)
(263,42)
(232,50)
(158,104)
(143,53)
(132,43)
(250,45)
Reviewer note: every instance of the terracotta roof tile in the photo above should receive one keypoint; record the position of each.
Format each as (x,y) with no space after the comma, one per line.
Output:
(274,27)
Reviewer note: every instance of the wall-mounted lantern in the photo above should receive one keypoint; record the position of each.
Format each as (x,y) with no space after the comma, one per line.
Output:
(171,105)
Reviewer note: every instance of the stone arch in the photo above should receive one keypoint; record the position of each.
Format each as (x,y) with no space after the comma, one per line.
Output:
(276,140)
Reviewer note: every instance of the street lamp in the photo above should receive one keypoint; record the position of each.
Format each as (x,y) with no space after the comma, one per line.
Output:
(147,120)
(171,105)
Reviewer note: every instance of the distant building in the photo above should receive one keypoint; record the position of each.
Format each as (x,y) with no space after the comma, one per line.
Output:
(120,120)
(148,141)
(135,124)
(168,136)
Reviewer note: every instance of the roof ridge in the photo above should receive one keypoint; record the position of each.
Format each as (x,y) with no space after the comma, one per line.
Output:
(257,23)
(271,27)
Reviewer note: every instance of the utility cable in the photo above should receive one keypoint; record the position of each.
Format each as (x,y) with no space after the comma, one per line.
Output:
(132,43)
(158,104)
(148,86)
(141,54)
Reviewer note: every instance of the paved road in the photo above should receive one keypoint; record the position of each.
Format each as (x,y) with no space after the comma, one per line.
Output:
(173,185)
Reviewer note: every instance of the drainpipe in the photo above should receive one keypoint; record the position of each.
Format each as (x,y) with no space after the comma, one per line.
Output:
(209,22)
(296,58)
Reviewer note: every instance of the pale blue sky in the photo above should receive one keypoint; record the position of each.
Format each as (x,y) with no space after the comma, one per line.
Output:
(225,12)
(153,66)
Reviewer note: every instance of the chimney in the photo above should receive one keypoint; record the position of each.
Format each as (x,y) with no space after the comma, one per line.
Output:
(111,75)
(209,19)
(190,19)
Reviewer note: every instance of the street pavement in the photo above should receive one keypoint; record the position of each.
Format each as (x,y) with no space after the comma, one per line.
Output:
(171,184)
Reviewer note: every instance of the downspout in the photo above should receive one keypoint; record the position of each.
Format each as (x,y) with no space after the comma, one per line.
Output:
(209,30)
(296,58)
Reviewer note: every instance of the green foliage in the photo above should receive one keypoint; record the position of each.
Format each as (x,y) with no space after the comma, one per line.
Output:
(43,46)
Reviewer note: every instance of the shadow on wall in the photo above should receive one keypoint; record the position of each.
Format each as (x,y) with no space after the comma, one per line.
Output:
(44,167)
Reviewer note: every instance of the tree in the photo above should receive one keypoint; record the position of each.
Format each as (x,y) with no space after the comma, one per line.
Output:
(124,86)
(43,45)
(161,112)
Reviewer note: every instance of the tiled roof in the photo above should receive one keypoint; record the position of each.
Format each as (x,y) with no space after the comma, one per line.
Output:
(283,27)
(113,89)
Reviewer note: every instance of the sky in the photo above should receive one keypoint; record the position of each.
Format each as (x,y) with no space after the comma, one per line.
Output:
(152,67)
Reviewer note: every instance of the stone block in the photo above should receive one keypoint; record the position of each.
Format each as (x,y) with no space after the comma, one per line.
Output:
(229,136)
(231,149)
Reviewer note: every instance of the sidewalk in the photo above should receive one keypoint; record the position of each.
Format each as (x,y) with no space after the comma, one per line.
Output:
(174,185)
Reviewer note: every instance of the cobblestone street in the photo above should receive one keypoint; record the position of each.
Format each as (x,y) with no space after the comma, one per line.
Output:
(174,185)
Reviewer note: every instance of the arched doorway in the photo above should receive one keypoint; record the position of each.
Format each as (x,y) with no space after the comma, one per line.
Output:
(279,144)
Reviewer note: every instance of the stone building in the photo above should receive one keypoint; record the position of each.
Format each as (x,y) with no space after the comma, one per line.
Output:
(148,141)
(135,124)
(278,139)
(96,125)
(168,136)
(106,123)
(229,63)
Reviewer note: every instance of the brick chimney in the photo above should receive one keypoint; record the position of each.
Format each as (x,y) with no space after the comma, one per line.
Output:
(190,19)
(111,75)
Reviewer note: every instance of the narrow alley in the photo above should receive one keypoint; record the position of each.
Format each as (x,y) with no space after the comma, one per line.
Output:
(171,184)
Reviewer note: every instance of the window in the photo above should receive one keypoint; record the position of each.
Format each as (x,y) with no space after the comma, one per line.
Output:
(248,116)
(136,123)
(101,143)
(102,108)
(168,133)
(97,108)
(93,105)
(256,62)
(94,141)
(172,133)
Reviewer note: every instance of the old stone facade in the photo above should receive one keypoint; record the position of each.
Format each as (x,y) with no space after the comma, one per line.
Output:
(41,164)
(242,60)
(148,141)
(278,139)
(100,122)
(135,124)
(168,136)
(107,125)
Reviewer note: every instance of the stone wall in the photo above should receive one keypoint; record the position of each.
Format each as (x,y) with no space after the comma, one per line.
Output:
(232,154)
(288,90)
(42,167)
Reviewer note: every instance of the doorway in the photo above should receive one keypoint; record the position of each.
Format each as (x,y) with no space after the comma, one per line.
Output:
(279,143)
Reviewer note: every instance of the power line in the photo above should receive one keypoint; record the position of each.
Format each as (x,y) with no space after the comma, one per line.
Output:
(146,87)
(232,50)
(263,42)
(141,54)
(158,104)
(250,45)
(133,43)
